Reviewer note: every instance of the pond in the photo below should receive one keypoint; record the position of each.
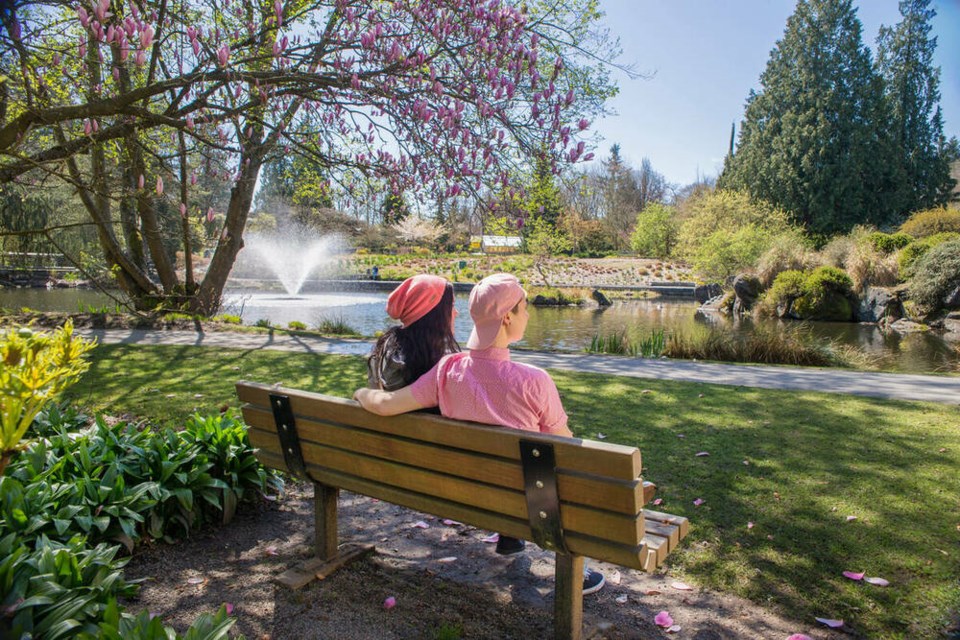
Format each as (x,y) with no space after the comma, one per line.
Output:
(565,329)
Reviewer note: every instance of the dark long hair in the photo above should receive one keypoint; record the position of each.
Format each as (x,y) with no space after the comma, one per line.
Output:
(425,341)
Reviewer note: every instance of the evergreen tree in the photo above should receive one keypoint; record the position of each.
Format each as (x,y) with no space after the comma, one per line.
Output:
(815,139)
(543,201)
(912,84)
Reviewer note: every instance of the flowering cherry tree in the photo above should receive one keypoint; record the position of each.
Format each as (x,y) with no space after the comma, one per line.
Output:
(135,102)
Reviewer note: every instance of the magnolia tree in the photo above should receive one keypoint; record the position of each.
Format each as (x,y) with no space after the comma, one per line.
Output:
(143,106)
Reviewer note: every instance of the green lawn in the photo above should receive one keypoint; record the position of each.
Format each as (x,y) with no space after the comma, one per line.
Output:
(795,464)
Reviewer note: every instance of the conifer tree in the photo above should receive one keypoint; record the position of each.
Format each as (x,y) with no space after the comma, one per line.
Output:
(815,139)
(912,89)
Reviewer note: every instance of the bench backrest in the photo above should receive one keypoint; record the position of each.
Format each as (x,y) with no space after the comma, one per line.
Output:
(465,471)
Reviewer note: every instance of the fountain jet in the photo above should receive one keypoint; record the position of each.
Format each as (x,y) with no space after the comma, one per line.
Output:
(294,256)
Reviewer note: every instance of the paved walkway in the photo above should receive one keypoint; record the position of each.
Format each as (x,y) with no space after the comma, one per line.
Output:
(944,389)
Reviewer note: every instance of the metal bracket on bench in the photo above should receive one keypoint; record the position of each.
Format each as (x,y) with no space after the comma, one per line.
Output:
(543,501)
(287,430)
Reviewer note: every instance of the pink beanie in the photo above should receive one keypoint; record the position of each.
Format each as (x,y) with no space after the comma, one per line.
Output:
(490,300)
(415,297)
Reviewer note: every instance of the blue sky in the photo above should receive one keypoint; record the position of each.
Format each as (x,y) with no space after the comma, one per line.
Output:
(702,57)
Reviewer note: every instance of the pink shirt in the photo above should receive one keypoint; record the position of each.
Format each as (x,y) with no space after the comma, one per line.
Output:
(485,386)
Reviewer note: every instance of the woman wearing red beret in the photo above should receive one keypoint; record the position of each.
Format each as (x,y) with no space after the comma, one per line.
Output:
(424,306)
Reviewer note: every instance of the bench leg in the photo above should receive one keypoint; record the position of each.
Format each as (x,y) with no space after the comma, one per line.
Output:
(325,520)
(568,598)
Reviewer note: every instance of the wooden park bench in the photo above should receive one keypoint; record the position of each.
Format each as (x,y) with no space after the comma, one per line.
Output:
(578,498)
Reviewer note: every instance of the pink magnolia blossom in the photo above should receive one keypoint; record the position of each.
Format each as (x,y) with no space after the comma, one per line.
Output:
(663,619)
(223,55)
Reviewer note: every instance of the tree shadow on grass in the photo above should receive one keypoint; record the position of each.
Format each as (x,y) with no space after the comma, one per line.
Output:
(796,465)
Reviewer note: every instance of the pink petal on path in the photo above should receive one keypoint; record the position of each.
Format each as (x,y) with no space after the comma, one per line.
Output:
(390,603)
(833,624)
(493,538)
(229,608)
(880,582)
(663,619)
(681,586)
(853,576)
(799,636)
(420,524)
(622,599)
(195,580)
(270,551)
(452,523)
(674,628)
(447,560)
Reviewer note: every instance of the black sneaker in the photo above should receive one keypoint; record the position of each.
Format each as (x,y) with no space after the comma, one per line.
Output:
(593,581)
(507,546)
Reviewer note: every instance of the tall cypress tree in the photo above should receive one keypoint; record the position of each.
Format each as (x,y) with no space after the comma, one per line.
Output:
(912,83)
(814,140)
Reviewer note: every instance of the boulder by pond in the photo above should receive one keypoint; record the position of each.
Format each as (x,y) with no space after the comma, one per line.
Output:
(880,303)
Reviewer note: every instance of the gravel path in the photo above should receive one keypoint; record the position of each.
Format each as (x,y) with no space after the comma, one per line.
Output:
(928,388)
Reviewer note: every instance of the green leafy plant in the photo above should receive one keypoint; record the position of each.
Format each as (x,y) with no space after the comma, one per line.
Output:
(34,368)
(57,590)
(296,325)
(116,625)
(222,440)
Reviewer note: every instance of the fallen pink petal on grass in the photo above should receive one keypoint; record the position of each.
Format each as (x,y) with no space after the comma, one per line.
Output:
(681,586)
(853,575)
(663,619)
(851,518)
(698,502)
(452,523)
(390,603)
(601,436)
(799,636)
(880,582)
(658,502)
(420,524)
(833,624)
(701,454)
(749,525)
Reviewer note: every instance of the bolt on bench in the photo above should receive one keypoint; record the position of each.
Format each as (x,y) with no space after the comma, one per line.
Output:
(578,498)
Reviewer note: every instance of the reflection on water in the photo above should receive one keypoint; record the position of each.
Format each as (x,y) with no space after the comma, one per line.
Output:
(567,328)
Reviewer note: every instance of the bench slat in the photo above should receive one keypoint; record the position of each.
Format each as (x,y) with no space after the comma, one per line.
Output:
(599,458)
(601,492)
(645,557)
(618,528)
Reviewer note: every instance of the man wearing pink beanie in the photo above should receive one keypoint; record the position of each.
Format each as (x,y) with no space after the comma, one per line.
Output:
(484,385)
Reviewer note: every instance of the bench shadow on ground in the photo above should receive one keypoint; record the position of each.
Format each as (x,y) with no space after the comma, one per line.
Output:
(443,577)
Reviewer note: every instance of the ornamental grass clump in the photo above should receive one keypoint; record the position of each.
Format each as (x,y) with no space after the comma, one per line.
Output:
(35,367)
(937,276)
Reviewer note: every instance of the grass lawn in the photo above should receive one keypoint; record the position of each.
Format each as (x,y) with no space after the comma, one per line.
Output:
(797,465)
